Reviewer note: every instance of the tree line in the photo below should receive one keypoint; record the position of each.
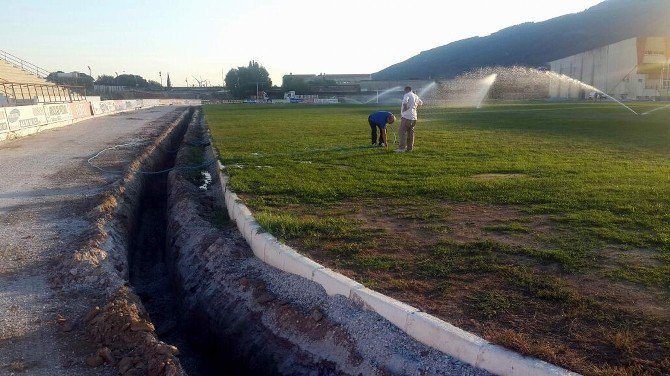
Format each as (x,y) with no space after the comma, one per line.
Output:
(241,82)
(127,80)
(245,82)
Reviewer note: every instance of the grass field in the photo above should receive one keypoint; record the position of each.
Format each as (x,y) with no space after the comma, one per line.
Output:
(544,227)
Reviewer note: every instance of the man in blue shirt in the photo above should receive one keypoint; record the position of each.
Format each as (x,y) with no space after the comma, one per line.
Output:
(379,120)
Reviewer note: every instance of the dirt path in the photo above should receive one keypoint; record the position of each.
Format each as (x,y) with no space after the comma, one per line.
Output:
(47,189)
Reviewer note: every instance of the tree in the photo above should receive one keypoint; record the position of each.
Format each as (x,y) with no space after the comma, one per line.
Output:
(169,83)
(242,82)
(105,80)
(233,82)
(154,85)
(130,80)
(71,79)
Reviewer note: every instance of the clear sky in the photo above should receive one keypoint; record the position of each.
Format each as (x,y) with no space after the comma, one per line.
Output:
(204,38)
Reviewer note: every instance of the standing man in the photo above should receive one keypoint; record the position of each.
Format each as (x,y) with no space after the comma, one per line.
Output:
(410,102)
(379,120)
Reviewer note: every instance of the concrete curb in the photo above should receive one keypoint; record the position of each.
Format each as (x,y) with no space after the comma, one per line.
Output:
(421,326)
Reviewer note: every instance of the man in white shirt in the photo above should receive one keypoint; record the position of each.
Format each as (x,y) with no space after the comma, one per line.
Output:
(410,102)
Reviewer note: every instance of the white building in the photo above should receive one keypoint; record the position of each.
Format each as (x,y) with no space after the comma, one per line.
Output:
(636,68)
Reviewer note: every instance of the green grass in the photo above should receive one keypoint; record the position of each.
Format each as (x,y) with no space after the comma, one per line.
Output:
(508,227)
(286,226)
(595,166)
(582,191)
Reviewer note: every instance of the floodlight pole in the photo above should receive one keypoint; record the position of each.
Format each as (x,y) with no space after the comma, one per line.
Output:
(257,90)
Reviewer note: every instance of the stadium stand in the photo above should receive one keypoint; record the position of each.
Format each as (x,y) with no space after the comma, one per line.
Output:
(23,83)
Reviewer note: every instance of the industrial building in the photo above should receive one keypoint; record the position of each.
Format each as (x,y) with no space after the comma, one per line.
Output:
(633,69)
(354,88)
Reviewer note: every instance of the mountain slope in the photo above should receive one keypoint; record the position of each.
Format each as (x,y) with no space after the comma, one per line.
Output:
(535,44)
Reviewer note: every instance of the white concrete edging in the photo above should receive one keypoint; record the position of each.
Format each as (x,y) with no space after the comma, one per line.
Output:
(421,326)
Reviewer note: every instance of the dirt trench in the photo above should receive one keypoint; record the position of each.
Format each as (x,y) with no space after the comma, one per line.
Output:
(200,303)
(154,280)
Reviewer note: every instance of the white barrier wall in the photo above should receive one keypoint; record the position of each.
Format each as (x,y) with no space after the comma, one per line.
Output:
(24,120)
(56,113)
(23,117)
(103,107)
(4,126)
(80,110)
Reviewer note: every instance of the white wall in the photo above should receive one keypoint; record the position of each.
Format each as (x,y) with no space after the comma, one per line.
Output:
(611,69)
(25,120)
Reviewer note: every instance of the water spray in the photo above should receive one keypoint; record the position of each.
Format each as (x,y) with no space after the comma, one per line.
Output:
(591,88)
(655,109)
(486,85)
(614,99)
(376,97)
(470,89)
(424,91)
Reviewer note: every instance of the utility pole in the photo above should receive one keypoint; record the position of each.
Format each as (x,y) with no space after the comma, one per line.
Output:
(258,90)
(90,75)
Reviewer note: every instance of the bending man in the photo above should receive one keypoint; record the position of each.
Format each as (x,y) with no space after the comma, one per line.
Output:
(410,102)
(379,120)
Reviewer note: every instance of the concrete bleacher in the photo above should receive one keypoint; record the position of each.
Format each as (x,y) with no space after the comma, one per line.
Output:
(21,87)
(10,73)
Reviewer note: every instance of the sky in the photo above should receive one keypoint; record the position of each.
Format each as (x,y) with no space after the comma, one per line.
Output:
(204,39)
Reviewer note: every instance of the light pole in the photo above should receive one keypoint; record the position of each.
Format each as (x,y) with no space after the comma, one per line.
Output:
(90,75)
(258,90)
(160,74)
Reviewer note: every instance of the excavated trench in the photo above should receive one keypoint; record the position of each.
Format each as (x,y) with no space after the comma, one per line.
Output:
(228,312)
(154,281)
(151,279)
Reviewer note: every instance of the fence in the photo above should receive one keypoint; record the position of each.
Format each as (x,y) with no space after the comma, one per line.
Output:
(25,94)
(24,65)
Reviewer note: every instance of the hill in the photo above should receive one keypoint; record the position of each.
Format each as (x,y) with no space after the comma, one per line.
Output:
(535,44)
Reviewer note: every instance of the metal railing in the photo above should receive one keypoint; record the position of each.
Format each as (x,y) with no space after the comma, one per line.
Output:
(24,65)
(24,94)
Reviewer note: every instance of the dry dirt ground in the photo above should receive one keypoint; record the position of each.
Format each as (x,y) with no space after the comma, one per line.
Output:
(47,191)
(473,265)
